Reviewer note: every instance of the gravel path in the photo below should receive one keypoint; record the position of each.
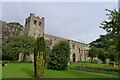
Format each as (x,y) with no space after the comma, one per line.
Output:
(94,73)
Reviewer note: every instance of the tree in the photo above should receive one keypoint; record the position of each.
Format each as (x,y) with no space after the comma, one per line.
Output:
(15,28)
(39,57)
(59,57)
(102,54)
(113,53)
(93,52)
(103,42)
(18,44)
(9,29)
(112,26)
(109,43)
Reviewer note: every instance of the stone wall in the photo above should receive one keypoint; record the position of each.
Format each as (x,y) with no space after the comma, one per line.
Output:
(78,50)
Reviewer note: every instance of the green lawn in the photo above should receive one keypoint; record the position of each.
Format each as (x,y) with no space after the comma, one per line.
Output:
(105,66)
(26,70)
(0,72)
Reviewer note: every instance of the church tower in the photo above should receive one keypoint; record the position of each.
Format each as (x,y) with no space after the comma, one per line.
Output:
(34,26)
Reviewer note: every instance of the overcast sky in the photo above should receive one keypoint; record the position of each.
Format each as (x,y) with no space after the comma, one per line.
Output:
(78,21)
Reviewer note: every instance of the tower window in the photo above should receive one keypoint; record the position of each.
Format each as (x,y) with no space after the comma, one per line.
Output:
(35,22)
(40,23)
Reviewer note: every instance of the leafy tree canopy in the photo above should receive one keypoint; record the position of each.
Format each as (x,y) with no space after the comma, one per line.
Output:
(9,29)
(18,44)
(112,26)
(109,43)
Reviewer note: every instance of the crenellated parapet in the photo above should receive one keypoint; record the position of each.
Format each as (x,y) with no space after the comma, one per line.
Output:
(34,25)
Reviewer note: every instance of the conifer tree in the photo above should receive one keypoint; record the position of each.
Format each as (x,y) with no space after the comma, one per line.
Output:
(39,57)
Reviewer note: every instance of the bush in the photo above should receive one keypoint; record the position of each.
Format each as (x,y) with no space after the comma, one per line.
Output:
(59,57)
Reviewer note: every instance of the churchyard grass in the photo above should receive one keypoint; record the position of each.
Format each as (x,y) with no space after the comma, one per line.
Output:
(0,73)
(26,70)
(93,65)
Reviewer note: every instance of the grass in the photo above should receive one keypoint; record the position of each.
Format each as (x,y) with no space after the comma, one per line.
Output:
(93,65)
(21,70)
(105,66)
(0,71)
(26,70)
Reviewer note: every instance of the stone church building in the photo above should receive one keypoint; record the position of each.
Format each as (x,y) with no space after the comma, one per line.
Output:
(34,26)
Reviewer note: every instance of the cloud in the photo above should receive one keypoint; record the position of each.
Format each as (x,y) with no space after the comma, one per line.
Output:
(76,21)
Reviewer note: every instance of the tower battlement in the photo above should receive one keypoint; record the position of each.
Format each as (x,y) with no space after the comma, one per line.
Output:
(34,25)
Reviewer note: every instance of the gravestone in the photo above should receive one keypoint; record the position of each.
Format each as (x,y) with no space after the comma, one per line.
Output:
(20,57)
(31,57)
(68,63)
(99,61)
(107,60)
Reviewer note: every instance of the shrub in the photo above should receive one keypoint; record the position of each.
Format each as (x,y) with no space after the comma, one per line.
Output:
(59,57)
